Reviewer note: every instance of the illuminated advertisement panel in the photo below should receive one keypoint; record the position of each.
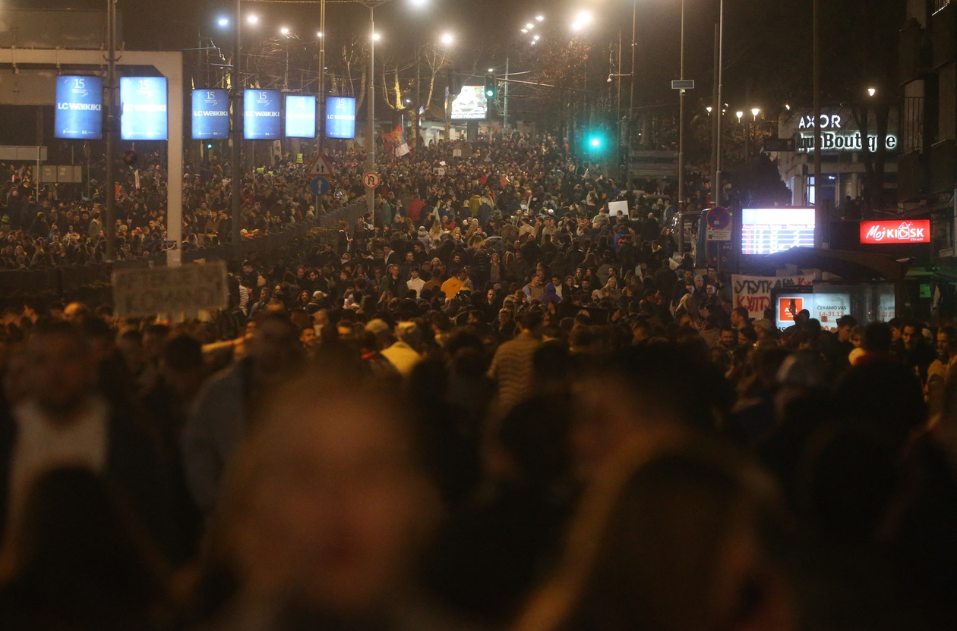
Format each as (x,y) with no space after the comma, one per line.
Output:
(770,230)
(144,109)
(300,116)
(210,114)
(341,118)
(470,104)
(79,107)
(261,115)
(883,232)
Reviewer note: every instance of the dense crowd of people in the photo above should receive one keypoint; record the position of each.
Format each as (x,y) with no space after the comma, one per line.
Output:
(492,403)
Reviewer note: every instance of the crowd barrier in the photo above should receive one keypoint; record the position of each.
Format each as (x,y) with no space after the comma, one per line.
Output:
(74,281)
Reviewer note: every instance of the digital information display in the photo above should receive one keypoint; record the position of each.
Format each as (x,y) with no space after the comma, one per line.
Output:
(825,308)
(300,116)
(341,118)
(770,230)
(261,115)
(210,114)
(79,107)
(144,109)
(470,104)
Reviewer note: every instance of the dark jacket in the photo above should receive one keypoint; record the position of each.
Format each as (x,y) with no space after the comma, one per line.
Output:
(133,469)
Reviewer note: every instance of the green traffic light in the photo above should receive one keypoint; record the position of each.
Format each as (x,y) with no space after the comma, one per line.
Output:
(490,93)
(595,143)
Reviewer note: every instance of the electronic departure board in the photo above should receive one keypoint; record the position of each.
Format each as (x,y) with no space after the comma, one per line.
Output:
(770,230)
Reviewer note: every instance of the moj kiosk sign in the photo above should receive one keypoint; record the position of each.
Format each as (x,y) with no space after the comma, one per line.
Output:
(835,137)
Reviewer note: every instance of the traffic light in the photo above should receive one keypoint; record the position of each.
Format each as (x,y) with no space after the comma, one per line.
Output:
(490,86)
(595,142)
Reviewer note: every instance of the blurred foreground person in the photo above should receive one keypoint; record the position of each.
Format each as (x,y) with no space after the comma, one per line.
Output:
(65,421)
(325,512)
(75,561)
(674,542)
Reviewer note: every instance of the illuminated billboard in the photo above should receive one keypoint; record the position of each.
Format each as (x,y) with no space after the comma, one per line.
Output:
(770,230)
(826,308)
(144,109)
(300,116)
(884,232)
(470,104)
(79,107)
(210,114)
(261,115)
(341,118)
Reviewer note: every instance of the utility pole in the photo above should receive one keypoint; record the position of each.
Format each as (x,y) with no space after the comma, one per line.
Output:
(236,183)
(109,225)
(505,109)
(719,108)
(819,218)
(370,193)
(634,80)
(321,99)
(681,120)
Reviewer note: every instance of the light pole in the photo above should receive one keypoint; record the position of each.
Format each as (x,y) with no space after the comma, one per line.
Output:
(447,40)
(321,92)
(236,172)
(109,226)
(719,109)
(681,121)
(634,81)
(371,5)
(819,217)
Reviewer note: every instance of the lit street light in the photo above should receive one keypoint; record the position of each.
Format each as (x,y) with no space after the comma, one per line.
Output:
(448,39)
(540,18)
(739,114)
(253,19)
(223,21)
(754,112)
(871,91)
(284,30)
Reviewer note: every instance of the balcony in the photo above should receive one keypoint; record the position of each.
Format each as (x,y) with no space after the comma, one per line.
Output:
(943,167)
(944,35)
(914,47)
(912,176)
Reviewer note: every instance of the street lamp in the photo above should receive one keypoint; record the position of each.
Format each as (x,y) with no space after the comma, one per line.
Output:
(871,91)
(223,22)
(739,114)
(253,19)
(447,39)
(754,113)
(709,110)
(540,18)
(285,31)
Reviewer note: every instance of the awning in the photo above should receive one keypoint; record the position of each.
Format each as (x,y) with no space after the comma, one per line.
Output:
(850,266)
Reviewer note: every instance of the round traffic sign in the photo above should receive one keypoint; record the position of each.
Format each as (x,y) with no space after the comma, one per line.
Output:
(719,218)
(371,180)
(320,186)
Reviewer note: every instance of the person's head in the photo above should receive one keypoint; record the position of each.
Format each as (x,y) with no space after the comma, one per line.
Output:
(307,337)
(739,316)
(328,504)
(856,336)
(72,531)
(181,365)
(910,335)
(727,337)
(75,311)
(947,342)
(275,343)
(877,338)
(675,538)
(61,370)
(845,325)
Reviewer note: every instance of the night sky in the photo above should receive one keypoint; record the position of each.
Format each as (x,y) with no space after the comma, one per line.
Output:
(765,41)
